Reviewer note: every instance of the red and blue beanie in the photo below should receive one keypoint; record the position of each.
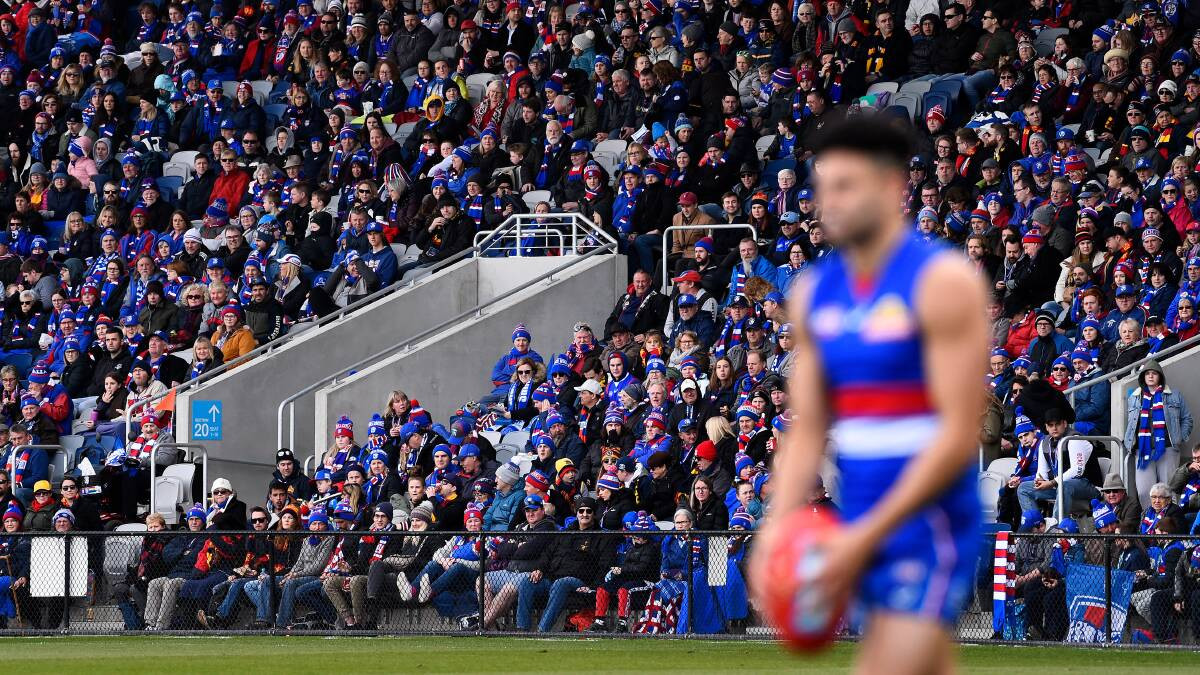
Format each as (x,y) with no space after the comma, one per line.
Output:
(1089,322)
(747,411)
(40,374)
(197,511)
(473,511)
(538,480)
(780,423)
(741,520)
(705,243)
(544,392)
(609,482)
(656,420)
(614,415)
(1033,237)
(13,511)
(656,363)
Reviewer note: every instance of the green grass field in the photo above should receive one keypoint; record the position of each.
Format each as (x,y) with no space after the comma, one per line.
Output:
(295,655)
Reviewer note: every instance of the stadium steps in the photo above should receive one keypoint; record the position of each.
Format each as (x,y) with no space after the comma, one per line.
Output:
(449,365)
(251,393)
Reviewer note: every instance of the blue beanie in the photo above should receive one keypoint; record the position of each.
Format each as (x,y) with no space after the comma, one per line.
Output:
(742,461)
(219,209)
(1069,526)
(1062,360)
(521,332)
(1089,322)
(1023,423)
(545,439)
(318,517)
(377,455)
(742,519)
(1023,362)
(197,511)
(376,426)
(408,430)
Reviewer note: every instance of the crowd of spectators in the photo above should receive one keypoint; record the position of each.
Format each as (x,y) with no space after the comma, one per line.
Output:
(1054,145)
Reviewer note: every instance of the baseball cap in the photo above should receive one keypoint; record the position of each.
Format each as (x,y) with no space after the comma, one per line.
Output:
(591,386)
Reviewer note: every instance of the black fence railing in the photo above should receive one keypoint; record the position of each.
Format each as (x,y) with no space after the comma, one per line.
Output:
(1044,587)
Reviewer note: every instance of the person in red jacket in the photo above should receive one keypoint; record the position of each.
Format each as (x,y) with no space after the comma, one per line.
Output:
(232,183)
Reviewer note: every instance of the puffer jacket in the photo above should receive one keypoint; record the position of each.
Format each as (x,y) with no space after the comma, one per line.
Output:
(500,514)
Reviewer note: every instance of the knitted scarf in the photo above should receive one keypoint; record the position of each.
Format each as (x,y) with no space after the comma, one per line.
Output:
(1150,520)
(623,207)
(474,208)
(598,97)
(279,62)
(16,466)
(731,334)
(1151,428)
(1025,456)
(549,154)
(35,150)
(1191,489)
(519,395)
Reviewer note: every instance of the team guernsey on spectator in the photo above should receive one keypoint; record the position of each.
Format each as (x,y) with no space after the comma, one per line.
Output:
(183,182)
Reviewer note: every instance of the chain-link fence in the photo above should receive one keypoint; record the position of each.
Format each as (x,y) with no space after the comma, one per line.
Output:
(596,582)
(1030,587)
(1086,589)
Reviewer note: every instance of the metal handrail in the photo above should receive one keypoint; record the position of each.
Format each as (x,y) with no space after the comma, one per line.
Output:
(666,278)
(43,446)
(287,338)
(1122,372)
(187,448)
(1059,507)
(536,231)
(519,224)
(407,344)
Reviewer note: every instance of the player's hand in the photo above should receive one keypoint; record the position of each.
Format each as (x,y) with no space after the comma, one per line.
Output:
(845,557)
(765,544)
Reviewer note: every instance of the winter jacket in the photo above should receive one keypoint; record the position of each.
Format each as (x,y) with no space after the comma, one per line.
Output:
(526,554)
(500,514)
(585,555)
(312,557)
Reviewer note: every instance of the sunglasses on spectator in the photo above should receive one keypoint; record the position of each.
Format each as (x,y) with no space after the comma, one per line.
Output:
(228,160)
(583,511)
(258,520)
(3,482)
(195,297)
(149,54)
(525,372)
(41,492)
(222,492)
(66,487)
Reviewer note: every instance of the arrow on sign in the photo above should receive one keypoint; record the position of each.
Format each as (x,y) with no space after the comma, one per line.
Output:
(214,411)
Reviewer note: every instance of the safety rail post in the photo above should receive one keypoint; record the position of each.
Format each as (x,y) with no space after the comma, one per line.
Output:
(1108,608)
(65,621)
(691,574)
(271,568)
(481,588)
(1060,509)
(607,245)
(187,448)
(666,277)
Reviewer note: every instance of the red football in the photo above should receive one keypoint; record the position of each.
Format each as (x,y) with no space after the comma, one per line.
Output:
(805,617)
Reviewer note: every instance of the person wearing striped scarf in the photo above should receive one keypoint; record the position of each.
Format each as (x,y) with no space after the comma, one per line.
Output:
(1158,421)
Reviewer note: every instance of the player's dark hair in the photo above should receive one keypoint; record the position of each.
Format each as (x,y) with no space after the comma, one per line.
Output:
(883,142)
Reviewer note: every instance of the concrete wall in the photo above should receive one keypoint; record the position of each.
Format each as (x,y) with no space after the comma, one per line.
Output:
(452,367)
(1182,372)
(251,393)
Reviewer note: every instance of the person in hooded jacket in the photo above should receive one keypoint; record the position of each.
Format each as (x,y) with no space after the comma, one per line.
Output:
(1158,423)
(196,192)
